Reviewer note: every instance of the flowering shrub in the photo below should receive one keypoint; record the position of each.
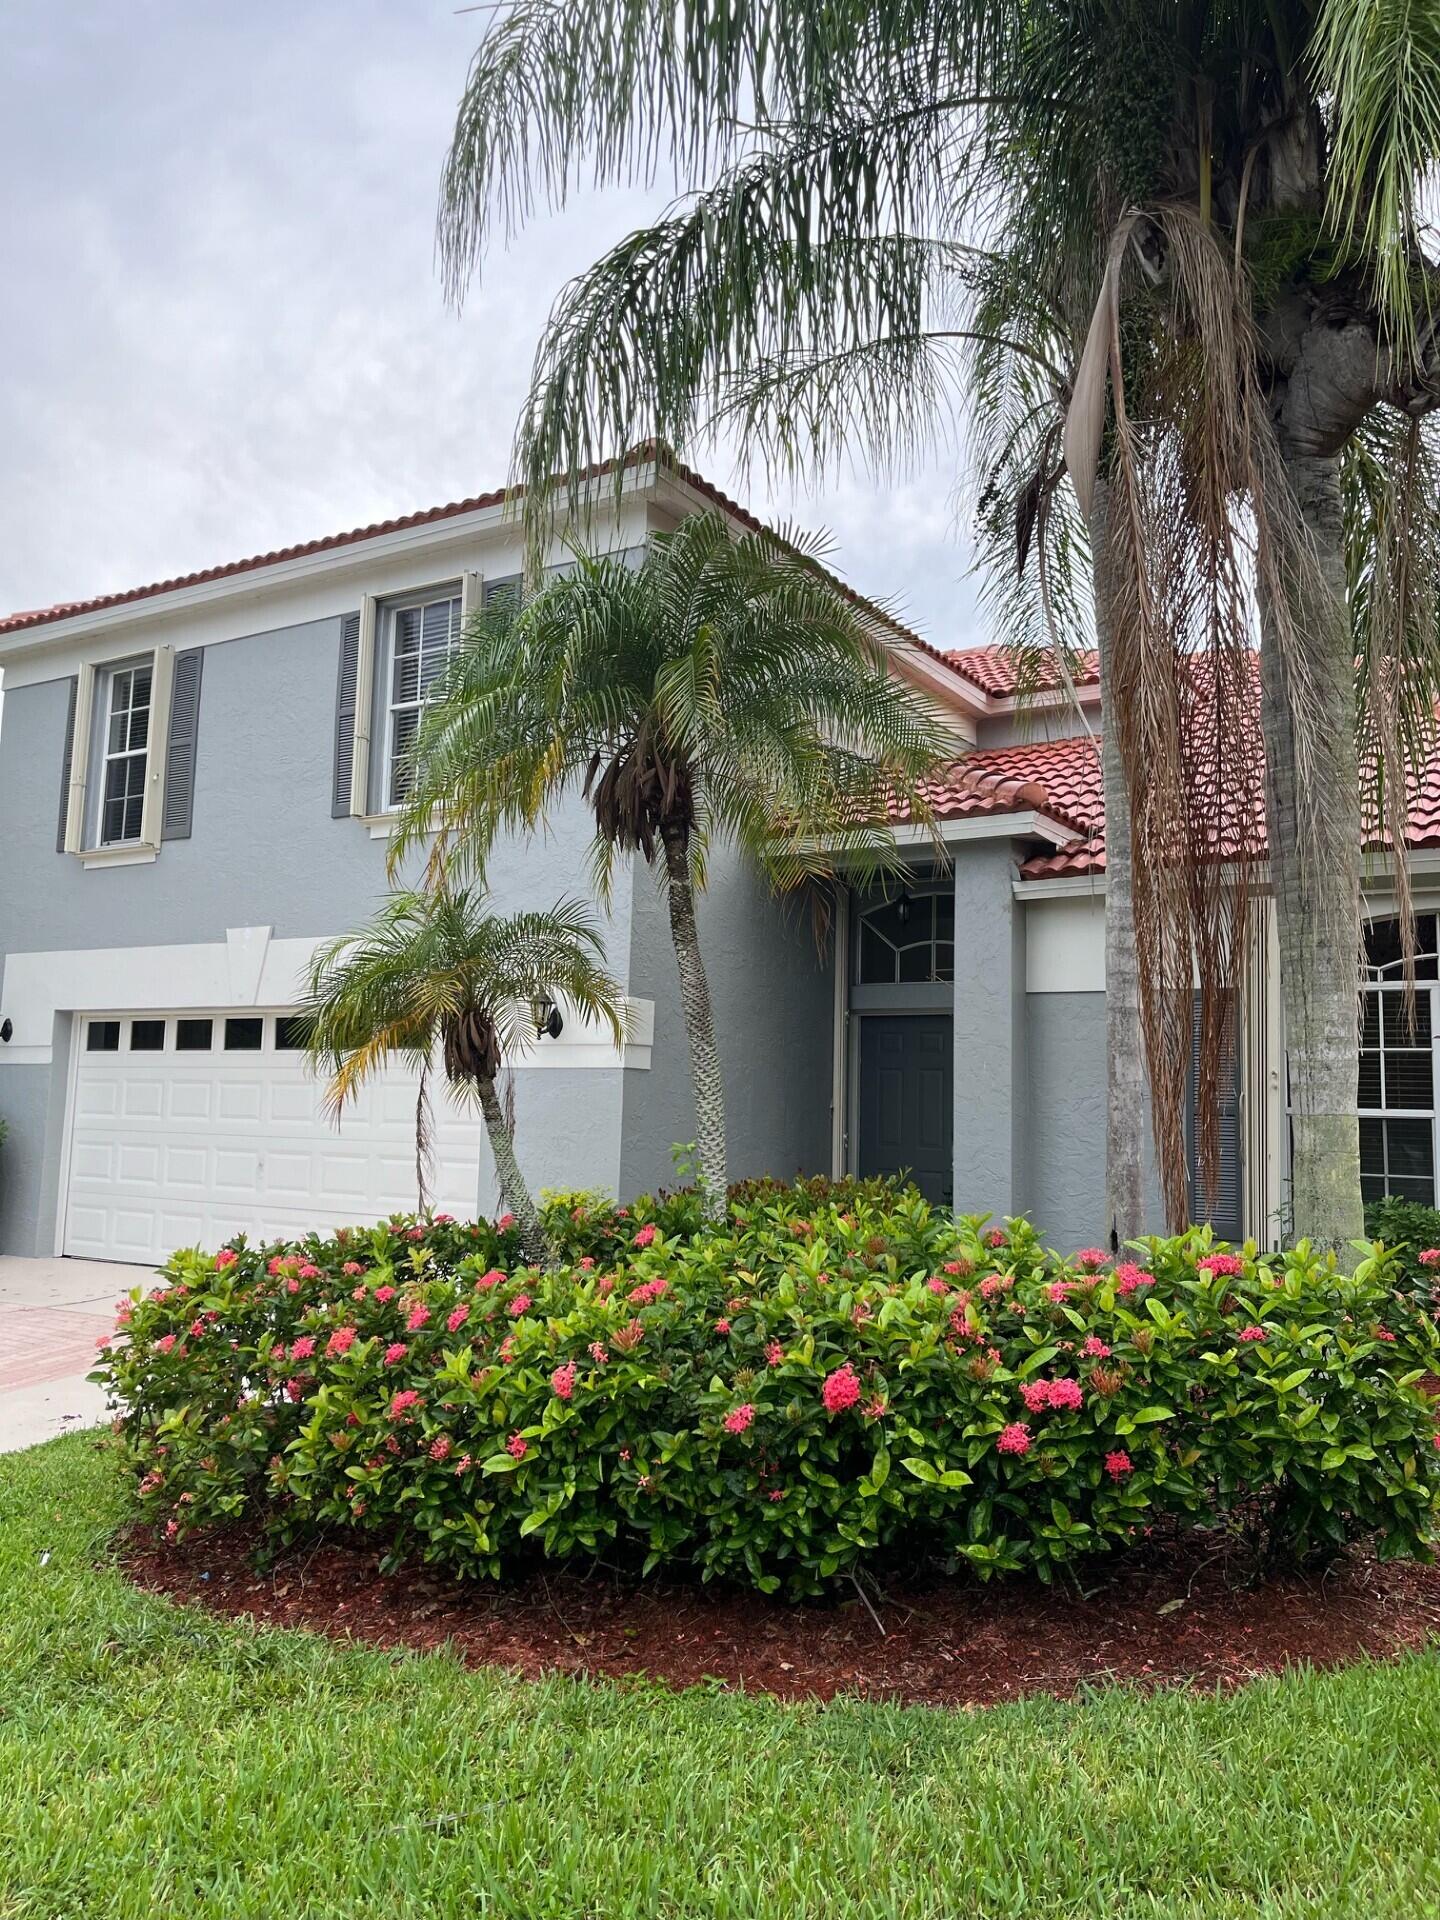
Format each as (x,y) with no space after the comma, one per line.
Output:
(835,1378)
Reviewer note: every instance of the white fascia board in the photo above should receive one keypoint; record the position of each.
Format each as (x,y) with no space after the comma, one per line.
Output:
(987,826)
(1069,886)
(1044,702)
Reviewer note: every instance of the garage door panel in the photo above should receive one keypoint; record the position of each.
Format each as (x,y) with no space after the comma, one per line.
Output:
(185,1149)
(139,1164)
(188,1099)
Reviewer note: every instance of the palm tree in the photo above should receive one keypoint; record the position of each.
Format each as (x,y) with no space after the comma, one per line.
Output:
(1225,197)
(440,970)
(713,689)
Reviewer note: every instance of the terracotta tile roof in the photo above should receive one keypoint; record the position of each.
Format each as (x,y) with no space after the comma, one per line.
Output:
(1059,778)
(638,456)
(1002,672)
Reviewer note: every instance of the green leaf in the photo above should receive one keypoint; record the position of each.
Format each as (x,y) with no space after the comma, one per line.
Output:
(499,1463)
(1147,1416)
(921,1469)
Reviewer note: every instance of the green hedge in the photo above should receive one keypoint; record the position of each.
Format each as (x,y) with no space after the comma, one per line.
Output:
(840,1379)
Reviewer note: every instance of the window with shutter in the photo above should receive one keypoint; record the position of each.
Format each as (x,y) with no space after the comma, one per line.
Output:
(342,789)
(179,798)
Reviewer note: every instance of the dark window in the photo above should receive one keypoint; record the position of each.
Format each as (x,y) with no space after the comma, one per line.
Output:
(244,1036)
(1396,1078)
(909,939)
(1383,956)
(102,1036)
(147,1036)
(291,1033)
(193,1036)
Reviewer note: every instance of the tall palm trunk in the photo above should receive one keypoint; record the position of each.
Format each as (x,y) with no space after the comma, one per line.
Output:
(513,1190)
(699,1022)
(1317,899)
(1124,1046)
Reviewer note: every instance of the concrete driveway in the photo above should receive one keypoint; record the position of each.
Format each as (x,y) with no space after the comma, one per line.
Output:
(52,1314)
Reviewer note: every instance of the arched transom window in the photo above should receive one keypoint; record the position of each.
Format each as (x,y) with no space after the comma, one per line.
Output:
(909,938)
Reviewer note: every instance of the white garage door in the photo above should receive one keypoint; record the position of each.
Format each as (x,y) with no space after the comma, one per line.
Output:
(187,1128)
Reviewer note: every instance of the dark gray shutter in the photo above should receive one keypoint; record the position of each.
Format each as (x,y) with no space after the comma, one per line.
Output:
(66,762)
(345,715)
(1224,1208)
(180,746)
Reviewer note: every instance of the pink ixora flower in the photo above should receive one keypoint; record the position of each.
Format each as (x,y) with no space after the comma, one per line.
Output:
(876,1407)
(505,1220)
(1066,1394)
(1058,1291)
(395,1353)
(352,1267)
(937,1285)
(1036,1395)
(739,1418)
(1090,1258)
(385,1295)
(403,1402)
(507,1348)
(562,1380)
(774,1354)
(457,1319)
(226,1257)
(587,1265)
(522,1303)
(1252,1333)
(517,1446)
(1128,1277)
(418,1316)
(440,1447)
(444,1220)
(1221,1265)
(1118,1464)
(1384,1333)
(487,1280)
(1430,1257)
(463,1465)
(304,1348)
(722,1325)
(645,1236)
(165,1343)
(598,1354)
(995,1238)
(1014,1438)
(309,1271)
(341,1340)
(1094,1348)
(841,1389)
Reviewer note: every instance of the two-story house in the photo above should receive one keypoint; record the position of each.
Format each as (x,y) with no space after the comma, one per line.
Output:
(197,785)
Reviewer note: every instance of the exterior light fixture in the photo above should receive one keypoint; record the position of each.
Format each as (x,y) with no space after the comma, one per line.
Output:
(546,1015)
(902,908)
(7,1027)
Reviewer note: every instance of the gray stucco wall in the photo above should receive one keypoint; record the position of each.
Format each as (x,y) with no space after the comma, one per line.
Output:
(264,851)
(773,996)
(1065,1162)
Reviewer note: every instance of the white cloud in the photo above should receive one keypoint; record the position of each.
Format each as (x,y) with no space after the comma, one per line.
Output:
(222,326)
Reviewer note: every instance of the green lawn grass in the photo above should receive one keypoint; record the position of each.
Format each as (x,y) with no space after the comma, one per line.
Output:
(155,1762)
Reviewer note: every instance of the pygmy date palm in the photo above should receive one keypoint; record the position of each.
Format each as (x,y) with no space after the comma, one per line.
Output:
(713,689)
(1198,223)
(439,972)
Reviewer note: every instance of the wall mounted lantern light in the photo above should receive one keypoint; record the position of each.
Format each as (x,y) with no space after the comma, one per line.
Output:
(546,1015)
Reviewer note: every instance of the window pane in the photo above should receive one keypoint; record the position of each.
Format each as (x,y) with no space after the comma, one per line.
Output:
(1400,1030)
(1421,1190)
(1370,1020)
(244,1036)
(1370,1081)
(102,1036)
(944,960)
(877,959)
(1409,1149)
(291,1033)
(147,1036)
(1372,1147)
(1410,1080)
(1372,1187)
(193,1036)
(944,916)
(1382,948)
(915,962)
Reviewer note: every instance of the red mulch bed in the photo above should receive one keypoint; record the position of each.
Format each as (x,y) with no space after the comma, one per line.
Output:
(1174,1613)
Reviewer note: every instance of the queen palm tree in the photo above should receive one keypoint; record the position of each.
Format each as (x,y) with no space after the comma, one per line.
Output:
(714,689)
(440,971)
(1217,206)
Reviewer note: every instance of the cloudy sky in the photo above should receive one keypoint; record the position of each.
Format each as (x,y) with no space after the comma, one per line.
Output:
(223,329)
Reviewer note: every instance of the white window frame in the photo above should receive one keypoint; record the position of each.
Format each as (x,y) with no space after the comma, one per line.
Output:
(370,799)
(84,811)
(1388,981)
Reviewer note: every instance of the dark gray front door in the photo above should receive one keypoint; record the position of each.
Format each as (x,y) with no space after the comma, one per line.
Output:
(907,1082)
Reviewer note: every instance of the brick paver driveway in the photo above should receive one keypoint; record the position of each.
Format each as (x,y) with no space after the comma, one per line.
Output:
(52,1315)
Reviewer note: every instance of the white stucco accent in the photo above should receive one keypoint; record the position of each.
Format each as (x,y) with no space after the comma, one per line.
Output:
(1065,945)
(247,968)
